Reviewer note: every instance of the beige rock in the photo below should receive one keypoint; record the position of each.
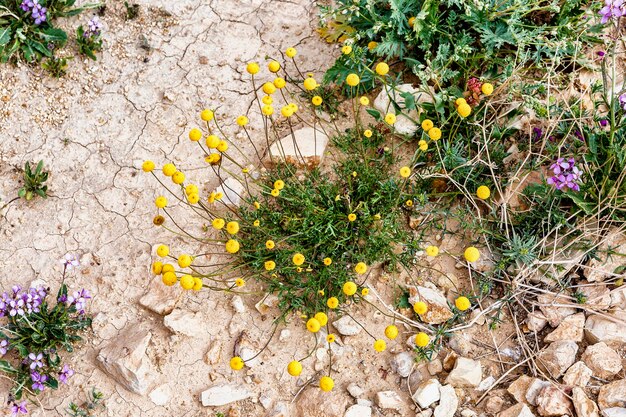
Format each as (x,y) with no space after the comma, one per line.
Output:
(161,298)
(614,412)
(304,148)
(224,394)
(557,357)
(427,393)
(383,103)
(265,304)
(519,387)
(435,366)
(461,343)
(609,328)
(233,190)
(577,375)
(518,410)
(583,405)
(125,360)
(536,321)
(602,360)
(604,267)
(571,328)
(494,404)
(555,307)
(358,410)
(312,404)
(612,395)
(448,403)
(389,400)
(534,389)
(597,296)
(449,360)
(438,310)
(186,323)
(466,373)
(347,326)
(618,298)
(551,401)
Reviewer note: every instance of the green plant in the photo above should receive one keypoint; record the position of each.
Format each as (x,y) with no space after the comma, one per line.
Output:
(90,407)
(88,41)
(34,182)
(56,66)
(132,10)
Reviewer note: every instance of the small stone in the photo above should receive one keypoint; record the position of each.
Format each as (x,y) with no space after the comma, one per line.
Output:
(402,363)
(557,357)
(438,310)
(425,413)
(519,387)
(603,361)
(185,322)
(583,405)
(486,383)
(355,390)
(435,366)
(612,395)
(362,401)
(358,410)
(266,399)
(448,403)
(607,328)
(577,375)
(554,307)
(304,148)
(284,335)
(280,410)
(389,400)
(551,401)
(494,404)
(267,303)
(571,328)
(161,298)
(232,190)
(460,343)
(534,389)
(160,395)
(346,326)
(427,393)
(604,266)
(404,124)
(468,413)
(449,361)
(598,297)
(518,410)
(536,321)
(125,360)
(614,412)
(466,373)
(238,305)
(224,394)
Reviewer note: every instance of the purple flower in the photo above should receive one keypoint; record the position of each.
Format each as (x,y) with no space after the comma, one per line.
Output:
(18,409)
(613,9)
(622,101)
(38,380)
(604,122)
(94,27)
(65,373)
(537,133)
(579,136)
(601,54)
(3,347)
(79,299)
(70,261)
(36,361)
(566,174)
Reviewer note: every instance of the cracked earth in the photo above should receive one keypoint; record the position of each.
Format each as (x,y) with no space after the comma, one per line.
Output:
(93,128)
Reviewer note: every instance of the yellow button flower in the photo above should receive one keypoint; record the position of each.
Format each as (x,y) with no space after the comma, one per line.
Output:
(460,101)
(163,251)
(422,339)
(269,265)
(462,303)
(178,178)
(380,345)
(267,110)
(275,192)
(382,68)
(157,267)
(464,110)
(256,223)
(184,260)
(351,217)
(222,146)
(257,205)
(327,261)
(390,118)
(316,100)
(273,66)
(186,281)
(270,244)
(346,49)
(147,166)
(322,318)
(422,145)
(286,111)
(432,251)
(326,383)
(420,307)
(252,68)
(298,259)
(267,99)
(405,172)
(193,198)
(191,189)
(240,282)
(372,45)
(291,52)
(169,278)
(212,141)
(360,268)
(236,363)
(411,21)
(349,288)
(269,88)
(206,115)
(434,133)
(169,170)
(365,292)
(368,133)
(195,135)
(331,338)
(352,80)
(364,101)
(218,223)
(313,325)
(279,82)
(427,124)
(391,332)
(160,202)
(242,120)
(232,227)
(197,284)
(487,89)
(279,184)
(294,368)
(232,246)
(483,192)
(310,84)
(471,254)
(332,302)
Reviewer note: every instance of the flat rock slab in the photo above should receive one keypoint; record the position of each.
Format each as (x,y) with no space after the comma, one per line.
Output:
(304,148)
(224,394)
(160,298)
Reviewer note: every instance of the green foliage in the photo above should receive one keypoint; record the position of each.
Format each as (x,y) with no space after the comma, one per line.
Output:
(88,45)
(132,10)
(21,38)
(311,217)
(90,407)
(34,182)
(55,66)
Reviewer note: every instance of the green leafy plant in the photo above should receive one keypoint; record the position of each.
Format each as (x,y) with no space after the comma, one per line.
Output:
(89,42)
(27,30)
(132,10)
(56,66)
(90,407)
(34,182)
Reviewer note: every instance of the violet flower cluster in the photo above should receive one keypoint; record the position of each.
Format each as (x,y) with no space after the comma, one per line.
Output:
(20,303)
(79,300)
(17,409)
(36,10)
(612,10)
(566,174)
(94,28)
(622,101)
